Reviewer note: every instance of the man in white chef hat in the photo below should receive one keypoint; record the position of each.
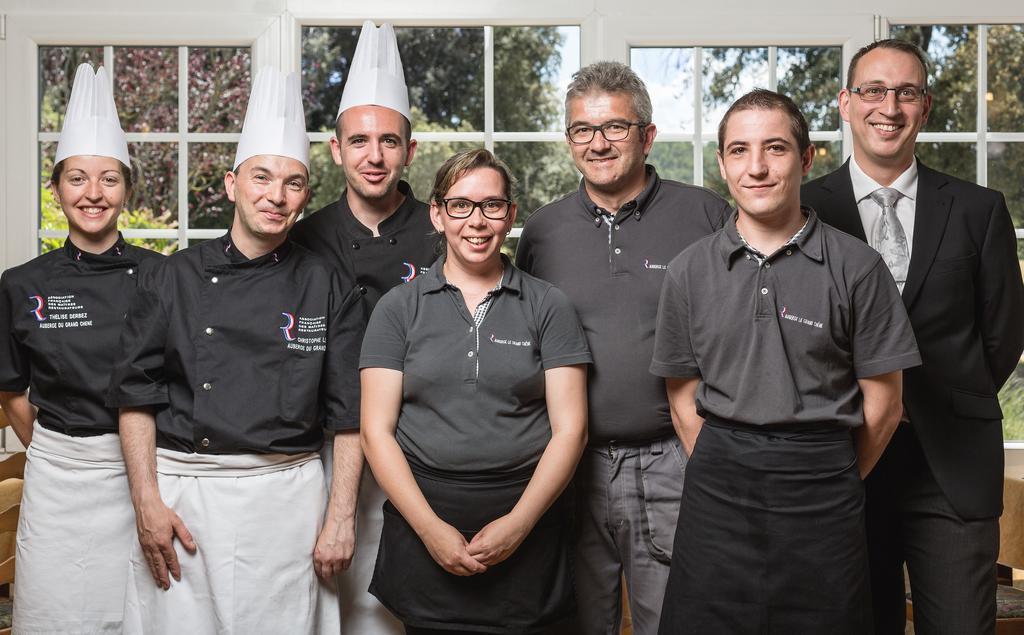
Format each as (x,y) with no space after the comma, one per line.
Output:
(378,234)
(238,355)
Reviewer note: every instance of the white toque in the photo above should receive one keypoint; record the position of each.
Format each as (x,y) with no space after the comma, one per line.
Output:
(274,120)
(91,126)
(375,77)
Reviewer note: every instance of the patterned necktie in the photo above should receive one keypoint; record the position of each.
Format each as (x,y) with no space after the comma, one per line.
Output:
(889,239)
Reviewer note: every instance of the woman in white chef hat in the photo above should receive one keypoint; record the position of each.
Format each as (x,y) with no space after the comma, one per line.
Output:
(60,319)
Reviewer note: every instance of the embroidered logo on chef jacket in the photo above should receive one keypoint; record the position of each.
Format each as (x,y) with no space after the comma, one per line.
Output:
(508,342)
(289,327)
(40,305)
(62,312)
(785,315)
(304,333)
(650,265)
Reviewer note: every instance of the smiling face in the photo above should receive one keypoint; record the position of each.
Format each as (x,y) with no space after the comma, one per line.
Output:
(884,132)
(269,193)
(474,243)
(612,168)
(762,164)
(91,191)
(372,150)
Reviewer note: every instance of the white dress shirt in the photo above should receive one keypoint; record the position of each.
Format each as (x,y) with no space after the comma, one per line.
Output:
(871,213)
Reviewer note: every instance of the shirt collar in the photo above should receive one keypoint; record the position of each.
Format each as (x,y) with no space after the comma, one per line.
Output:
(434,280)
(864,185)
(807,239)
(386,226)
(634,208)
(226,254)
(115,253)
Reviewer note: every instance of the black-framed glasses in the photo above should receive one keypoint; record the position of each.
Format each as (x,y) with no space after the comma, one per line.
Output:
(492,208)
(877,92)
(612,131)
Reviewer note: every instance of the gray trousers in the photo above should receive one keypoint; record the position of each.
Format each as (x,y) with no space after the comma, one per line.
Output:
(628,504)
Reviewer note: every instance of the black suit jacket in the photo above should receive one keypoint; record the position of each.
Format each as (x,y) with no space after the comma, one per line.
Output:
(966,302)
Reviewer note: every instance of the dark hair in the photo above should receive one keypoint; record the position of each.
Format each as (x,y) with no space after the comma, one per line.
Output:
(610,77)
(761,99)
(902,46)
(126,174)
(459,164)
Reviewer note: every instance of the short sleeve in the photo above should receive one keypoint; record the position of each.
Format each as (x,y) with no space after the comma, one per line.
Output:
(882,338)
(340,384)
(384,344)
(14,356)
(138,378)
(562,341)
(673,351)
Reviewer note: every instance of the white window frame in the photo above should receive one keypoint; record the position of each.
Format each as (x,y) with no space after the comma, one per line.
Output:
(20,233)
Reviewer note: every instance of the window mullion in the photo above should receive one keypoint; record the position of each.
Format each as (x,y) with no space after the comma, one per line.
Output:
(773,60)
(982,117)
(489,88)
(698,115)
(182,147)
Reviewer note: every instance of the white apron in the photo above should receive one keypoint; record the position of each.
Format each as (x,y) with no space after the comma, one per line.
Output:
(361,613)
(75,531)
(255,520)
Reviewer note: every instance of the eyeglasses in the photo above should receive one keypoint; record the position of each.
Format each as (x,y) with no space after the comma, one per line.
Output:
(877,92)
(611,131)
(492,208)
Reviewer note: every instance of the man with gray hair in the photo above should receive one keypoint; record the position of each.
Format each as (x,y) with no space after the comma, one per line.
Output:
(625,225)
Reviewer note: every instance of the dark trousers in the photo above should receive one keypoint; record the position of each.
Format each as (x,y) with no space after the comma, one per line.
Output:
(770,538)
(951,561)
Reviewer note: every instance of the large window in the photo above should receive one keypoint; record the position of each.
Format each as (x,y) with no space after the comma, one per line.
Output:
(498,87)
(976,130)
(691,87)
(182,109)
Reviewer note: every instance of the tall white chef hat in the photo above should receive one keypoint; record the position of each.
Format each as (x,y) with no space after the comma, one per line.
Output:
(375,77)
(91,126)
(274,120)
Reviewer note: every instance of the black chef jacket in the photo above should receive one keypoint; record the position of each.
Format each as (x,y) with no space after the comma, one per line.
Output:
(61,316)
(406,247)
(242,356)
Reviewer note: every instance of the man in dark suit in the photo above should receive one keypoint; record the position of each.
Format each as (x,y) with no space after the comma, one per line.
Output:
(934,499)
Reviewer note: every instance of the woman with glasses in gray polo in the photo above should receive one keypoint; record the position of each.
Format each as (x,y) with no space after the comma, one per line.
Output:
(473,420)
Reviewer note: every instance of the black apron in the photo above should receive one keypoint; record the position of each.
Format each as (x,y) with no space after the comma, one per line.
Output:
(529,591)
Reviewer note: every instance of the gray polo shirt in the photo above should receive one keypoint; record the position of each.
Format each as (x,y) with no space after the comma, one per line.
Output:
(611,265)
(784,340)
(473,397)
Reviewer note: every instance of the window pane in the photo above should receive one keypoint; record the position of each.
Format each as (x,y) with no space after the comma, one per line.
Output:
(533,65)
(828,157)
(545,172)
(50,214)
(729,73)
(57,65)
(673,160)
(958,159)
(810,76)
(218,88)
(668,74)
(146,89)
(155,199)
(165,246)
(953,52)
(444,69)
(208,204)
(325,178)
(712,175)
(428,159)
(1011,398)
(1005,89)
(1005,165)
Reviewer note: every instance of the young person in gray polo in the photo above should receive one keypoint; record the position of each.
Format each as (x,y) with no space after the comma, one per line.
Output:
(783,342)
(607,246)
